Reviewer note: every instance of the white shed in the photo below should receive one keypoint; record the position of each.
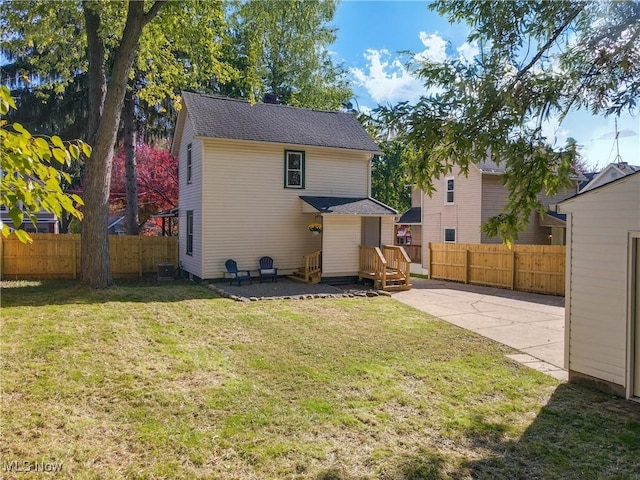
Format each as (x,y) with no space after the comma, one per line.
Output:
(602,346)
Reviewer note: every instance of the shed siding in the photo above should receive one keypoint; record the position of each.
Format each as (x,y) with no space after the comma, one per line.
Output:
(340,249)
(248,211)
(600,223)
(190,198)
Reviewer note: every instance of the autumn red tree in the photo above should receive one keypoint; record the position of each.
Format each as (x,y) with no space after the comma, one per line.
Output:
(157,182)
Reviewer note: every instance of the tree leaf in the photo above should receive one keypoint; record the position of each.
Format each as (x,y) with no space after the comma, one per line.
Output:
(23,236)
(57,141)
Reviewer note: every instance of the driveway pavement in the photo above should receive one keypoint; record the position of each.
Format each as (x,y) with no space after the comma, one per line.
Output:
(528,322)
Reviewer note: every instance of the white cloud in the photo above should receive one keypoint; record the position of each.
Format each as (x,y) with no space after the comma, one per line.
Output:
(556,135)
(387,79)
(435,47)
(468,51)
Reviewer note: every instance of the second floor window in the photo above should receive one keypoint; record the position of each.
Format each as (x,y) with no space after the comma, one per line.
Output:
(449,193)
(189,165)
(293,169)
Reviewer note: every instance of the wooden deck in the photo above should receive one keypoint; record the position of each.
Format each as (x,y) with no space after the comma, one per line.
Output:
(311,273)
(389,267)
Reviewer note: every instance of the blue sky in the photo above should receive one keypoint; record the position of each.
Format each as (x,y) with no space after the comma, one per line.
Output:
(371,35)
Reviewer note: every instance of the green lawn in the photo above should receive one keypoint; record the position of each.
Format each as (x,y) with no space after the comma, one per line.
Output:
(170,381)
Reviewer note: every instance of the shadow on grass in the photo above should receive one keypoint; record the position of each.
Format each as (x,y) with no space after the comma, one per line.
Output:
(65,292)
(579,434)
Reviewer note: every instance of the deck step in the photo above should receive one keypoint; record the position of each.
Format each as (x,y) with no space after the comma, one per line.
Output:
(301,276)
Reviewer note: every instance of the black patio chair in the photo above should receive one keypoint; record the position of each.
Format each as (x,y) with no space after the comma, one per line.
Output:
(267,270)
(237,275)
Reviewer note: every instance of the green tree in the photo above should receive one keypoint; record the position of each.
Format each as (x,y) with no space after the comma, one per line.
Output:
(56,40)
(281,48)
(31,173)
(537,61)
(389,183)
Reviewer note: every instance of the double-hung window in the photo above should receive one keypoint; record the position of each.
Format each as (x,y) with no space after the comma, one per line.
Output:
(189,163)
(449,183)
(293,169)
(449,235)
(189,250)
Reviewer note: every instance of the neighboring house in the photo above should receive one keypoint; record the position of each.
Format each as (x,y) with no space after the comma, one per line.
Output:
(409,227)
(254,177)
(602,305)
(461,204)
(608,174)
(115,224)
(47,222)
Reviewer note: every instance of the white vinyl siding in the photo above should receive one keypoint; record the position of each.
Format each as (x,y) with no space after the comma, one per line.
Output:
(341,245)
(598,266)
(247,212)
(190,198)
(386,233)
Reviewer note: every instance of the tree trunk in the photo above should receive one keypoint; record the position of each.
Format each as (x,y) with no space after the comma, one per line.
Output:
(96,268)
(130,164)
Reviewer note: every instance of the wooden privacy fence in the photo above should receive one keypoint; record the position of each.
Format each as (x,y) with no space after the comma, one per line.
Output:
(527,268)
(58,256)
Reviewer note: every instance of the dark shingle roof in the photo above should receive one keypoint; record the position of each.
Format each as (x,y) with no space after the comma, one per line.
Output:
(489,166)
(221,117)
(413,215)
(349,206)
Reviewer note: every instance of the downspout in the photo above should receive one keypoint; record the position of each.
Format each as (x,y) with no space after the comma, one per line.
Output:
(567,292)
(369,176)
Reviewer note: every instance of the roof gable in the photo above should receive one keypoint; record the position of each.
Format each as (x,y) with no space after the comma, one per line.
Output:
(221,117)
(610,173)
(613,184)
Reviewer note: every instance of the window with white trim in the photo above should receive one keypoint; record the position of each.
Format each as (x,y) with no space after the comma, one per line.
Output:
(449,184)
(293,169)
(189,249)
(189,163)
(449,235)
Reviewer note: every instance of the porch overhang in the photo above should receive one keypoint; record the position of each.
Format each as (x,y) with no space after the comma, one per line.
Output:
(413,216)
(360,206)
(553,219)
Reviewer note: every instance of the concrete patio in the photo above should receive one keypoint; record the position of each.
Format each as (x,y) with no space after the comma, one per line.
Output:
(528,322)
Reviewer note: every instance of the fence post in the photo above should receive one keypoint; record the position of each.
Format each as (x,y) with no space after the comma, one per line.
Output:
(466,265)
(430,274)
(139,255)
(73,260)
(513,269)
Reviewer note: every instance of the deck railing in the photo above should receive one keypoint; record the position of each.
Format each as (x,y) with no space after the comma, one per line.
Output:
(313,263)
(397,260)
(373,265)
